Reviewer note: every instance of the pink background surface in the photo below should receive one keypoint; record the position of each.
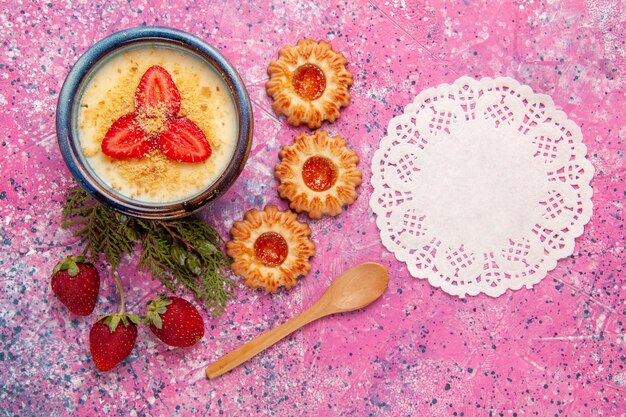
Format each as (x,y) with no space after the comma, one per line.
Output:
(557,349)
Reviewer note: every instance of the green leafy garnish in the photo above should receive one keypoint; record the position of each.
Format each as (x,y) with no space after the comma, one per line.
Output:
(180,253)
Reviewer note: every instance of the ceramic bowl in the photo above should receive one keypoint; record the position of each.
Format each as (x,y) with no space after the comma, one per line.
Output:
(68,108)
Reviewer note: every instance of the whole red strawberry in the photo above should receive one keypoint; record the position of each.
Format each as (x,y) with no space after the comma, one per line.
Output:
(112,338)
(175,321)
(76,282)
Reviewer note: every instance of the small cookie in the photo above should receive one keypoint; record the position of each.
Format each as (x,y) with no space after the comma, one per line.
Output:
(318,174)
(270,249)
(309,83)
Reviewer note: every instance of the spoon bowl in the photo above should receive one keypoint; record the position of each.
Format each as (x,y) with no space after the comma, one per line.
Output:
(357,287)
(354,289)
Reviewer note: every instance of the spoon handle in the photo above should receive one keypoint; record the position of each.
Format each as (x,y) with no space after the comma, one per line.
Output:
(257,345)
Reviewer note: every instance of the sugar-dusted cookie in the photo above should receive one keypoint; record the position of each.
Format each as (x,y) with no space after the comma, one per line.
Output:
(309,83)
(318,174)
(270,249)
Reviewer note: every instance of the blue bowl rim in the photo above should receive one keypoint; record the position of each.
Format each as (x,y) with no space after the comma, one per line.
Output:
(70,148)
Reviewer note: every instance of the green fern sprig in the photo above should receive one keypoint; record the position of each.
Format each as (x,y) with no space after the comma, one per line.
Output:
(180,253)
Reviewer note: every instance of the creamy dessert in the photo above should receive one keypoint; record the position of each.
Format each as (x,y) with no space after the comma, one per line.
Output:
(157,156)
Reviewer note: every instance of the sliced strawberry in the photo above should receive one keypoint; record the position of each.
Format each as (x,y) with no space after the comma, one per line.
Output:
(126,139)
(182,140)
(157,94)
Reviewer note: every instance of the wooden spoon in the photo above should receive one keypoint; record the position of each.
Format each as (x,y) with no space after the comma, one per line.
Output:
(354,289)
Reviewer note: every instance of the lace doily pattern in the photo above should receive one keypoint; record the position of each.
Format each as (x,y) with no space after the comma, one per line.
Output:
(481,186)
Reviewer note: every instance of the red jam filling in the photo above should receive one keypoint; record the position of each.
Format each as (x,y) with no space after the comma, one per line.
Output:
(309,82)
(271,249)
(319,173)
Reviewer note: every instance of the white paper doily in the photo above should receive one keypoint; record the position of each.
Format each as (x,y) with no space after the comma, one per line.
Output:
(481,186)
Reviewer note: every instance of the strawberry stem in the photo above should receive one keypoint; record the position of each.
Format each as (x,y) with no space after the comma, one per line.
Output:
(121,290)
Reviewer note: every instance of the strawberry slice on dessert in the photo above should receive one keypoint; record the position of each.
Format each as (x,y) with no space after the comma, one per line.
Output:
(182,140)
(157,94)
(126,139)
